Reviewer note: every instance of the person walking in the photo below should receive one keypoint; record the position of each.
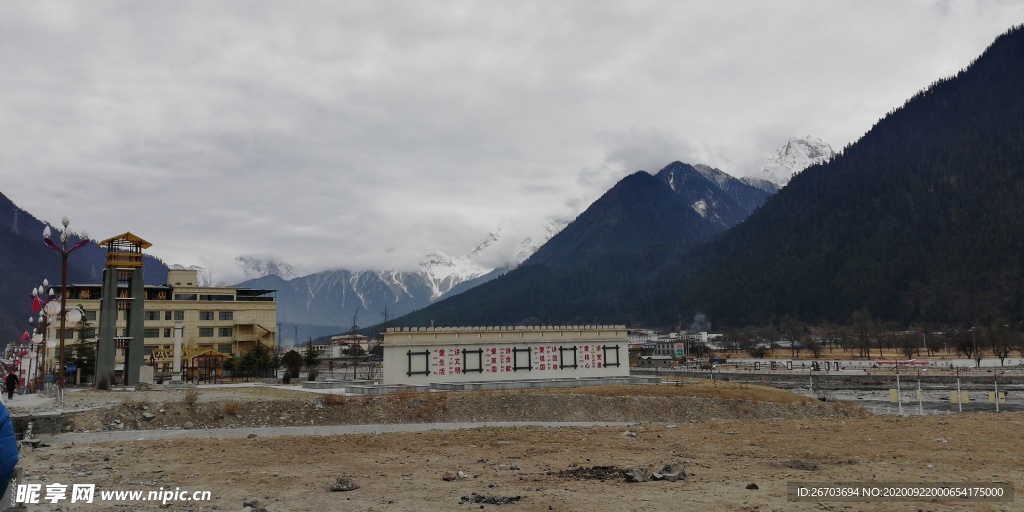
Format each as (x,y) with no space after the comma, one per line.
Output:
(12,384)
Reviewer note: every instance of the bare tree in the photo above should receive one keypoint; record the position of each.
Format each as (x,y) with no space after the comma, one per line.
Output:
(908,345)
(815,347)
(1000,340)
(792,329)
(862,328)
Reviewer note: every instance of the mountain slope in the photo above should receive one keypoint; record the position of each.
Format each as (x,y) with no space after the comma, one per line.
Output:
(589,271)
(921,219)
(25,262)
(722,199)
(325,303)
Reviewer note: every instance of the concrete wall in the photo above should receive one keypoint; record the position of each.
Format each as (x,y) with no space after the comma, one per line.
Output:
(425,355)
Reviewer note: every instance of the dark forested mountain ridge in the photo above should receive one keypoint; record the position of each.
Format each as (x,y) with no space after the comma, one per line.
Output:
(640,211)
(922,219)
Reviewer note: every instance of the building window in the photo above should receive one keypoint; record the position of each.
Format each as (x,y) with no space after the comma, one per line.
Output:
(152,315)
(419,363)
(185,296)
(167,315)
(212,297)
(473,361)
(568,357)
(206,332)
(611,353)
(224,348)
(179,315)
(519,356)
(90,316)
(227,315)
(151,333)
(206,315)
(167,332)
(225,332)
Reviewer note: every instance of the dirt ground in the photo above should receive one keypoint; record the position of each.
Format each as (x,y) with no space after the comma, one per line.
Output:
(726,437)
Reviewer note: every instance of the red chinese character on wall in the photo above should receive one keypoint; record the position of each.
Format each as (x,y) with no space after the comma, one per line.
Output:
(440,352)
(508,368)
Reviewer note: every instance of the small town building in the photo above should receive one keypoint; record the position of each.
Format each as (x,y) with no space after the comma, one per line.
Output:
(426,355)
(214,319)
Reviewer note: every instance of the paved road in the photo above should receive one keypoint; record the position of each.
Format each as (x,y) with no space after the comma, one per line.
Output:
(241,433)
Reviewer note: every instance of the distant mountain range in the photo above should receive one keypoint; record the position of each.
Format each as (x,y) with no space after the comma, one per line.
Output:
(325,303)
(330,302)
(922,219)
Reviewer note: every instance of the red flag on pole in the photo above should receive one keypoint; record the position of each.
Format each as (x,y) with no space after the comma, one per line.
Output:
(24,336)
(36,304)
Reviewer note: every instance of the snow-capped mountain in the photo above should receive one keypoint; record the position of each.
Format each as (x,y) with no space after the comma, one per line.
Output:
(722,199)
(326,302)
(797,155)
(253,267)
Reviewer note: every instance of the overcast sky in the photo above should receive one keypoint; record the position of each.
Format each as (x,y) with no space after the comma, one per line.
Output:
(362,135)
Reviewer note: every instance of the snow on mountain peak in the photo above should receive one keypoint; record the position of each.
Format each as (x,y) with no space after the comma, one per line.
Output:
(254,266)
(797,155)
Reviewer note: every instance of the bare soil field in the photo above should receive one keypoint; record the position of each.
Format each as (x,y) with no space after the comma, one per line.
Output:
(724,436)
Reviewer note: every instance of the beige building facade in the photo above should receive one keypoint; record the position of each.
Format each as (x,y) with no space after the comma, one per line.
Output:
(426,355)
(225,319)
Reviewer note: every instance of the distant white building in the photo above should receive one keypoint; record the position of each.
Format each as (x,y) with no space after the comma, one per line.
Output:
(343,342)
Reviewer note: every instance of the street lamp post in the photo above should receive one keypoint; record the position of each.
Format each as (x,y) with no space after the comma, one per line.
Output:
(40,300)
(64,251)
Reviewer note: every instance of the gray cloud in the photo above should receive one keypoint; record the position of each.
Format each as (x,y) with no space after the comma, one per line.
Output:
(366,134)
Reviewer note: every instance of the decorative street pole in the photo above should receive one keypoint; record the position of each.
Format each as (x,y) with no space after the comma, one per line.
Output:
(64,251)
(39,301)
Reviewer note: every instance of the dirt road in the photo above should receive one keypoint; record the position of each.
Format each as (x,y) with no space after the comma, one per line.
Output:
(725,437)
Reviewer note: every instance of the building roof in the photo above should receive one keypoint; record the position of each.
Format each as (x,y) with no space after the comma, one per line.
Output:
(128,237)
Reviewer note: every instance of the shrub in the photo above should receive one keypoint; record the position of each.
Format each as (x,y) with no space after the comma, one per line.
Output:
(191,397)
(103,382)
(332,399)
(231,407)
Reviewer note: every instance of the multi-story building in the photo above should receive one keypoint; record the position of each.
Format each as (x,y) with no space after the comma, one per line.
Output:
(228,320)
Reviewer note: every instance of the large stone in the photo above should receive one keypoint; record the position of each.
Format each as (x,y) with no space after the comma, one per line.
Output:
(636,475)
(672,472)
(343,484)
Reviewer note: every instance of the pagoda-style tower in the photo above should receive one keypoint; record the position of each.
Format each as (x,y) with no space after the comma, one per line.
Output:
(122,291)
